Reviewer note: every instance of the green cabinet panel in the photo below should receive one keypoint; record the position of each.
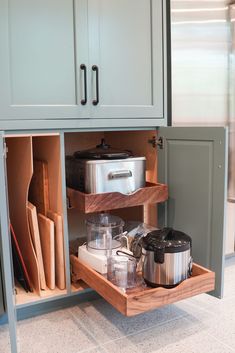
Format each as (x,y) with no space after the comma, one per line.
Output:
(42,48)
(126,41)
(193,162)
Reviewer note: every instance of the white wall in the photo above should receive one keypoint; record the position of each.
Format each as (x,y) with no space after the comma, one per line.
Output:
(201,43)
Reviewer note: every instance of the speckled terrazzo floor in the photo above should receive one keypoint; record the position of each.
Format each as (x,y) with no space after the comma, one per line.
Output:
(201,324)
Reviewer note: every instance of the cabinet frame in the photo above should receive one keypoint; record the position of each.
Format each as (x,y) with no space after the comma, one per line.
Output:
(7,264)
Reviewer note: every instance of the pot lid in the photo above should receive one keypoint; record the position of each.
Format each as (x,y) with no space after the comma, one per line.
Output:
(167,240)
(103,151)
(104,220)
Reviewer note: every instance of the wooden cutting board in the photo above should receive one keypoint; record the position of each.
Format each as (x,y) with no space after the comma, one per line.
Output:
(39,187)
(59,249)
(34,231)
(47,236)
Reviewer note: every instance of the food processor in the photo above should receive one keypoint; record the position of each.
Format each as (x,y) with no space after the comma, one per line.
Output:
(104,235)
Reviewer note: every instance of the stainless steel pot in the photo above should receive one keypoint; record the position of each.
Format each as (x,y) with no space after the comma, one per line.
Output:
(124,175)
(103,169)
(167,258)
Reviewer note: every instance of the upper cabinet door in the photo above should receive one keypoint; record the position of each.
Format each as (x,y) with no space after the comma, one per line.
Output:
(43,44)
(126,47)
(193,162)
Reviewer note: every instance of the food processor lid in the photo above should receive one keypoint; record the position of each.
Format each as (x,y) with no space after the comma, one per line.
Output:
(167,240)
(103,151)
(104,220)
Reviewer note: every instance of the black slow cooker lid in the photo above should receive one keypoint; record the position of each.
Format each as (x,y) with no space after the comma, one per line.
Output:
(103,151)
(167,240)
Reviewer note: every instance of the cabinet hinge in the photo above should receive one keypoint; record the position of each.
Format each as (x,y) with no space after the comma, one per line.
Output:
(157,142)
(68,203)
(5,150)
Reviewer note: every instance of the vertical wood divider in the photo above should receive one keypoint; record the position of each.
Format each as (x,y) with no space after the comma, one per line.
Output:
(65,216)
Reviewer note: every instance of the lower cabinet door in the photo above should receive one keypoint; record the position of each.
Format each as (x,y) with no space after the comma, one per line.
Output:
(193,163)
(142,298)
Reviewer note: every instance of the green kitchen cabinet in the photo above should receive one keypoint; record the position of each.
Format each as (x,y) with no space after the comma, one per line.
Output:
(126,46)
(43,44)
(66,62)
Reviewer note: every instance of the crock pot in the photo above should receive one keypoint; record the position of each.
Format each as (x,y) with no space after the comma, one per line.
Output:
(167,257)
(105,169)
(103,151)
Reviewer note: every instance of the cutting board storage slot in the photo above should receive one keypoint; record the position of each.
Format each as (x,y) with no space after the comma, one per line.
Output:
(36,213)
(19,173)
(47,149)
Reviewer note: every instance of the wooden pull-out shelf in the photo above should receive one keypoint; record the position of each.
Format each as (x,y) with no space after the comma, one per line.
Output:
(142,299)
(88,203)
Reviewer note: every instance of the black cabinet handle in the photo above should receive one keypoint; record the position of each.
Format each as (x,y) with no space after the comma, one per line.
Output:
(96,70)
(84,100)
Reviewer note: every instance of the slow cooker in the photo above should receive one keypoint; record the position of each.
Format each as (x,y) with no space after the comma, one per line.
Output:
(105,169)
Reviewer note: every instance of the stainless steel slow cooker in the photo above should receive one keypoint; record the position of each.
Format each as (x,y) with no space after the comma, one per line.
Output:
(167,257)
(105,169)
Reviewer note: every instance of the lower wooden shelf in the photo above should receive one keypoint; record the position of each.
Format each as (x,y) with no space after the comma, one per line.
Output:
(88,203)
(79,286)
(24,298)
(142,298)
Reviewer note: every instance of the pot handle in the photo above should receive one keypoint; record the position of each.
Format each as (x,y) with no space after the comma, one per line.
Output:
(120,174)
(159,255)
(190,267)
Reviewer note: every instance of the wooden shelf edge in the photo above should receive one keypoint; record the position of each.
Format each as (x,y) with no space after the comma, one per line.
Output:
(88,203)
(23,298)
(202,281)
(81,271)
(158,297)
(79,286)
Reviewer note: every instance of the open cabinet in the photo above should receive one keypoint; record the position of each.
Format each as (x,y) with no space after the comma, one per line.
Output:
(191,163)
(186,189)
